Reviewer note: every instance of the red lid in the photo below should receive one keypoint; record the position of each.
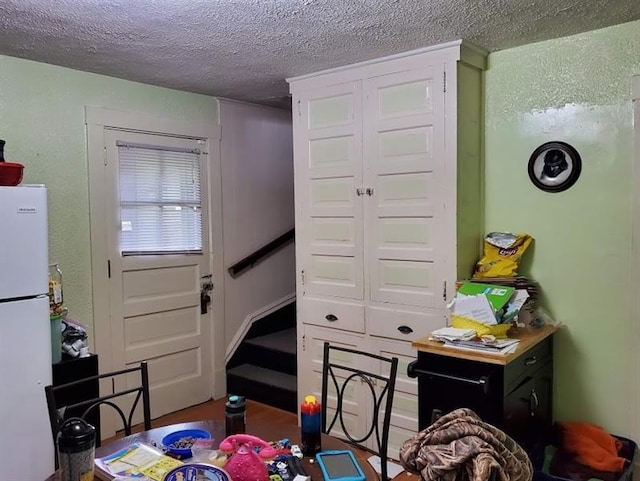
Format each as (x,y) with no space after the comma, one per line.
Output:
(310,405)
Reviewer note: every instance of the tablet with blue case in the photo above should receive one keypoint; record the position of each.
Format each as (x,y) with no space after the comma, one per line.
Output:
(339,465)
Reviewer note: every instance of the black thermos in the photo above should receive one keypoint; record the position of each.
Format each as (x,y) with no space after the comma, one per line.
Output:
(76,449)
(235,415)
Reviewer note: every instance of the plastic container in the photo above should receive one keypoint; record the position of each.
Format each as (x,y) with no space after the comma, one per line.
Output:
(55,290)
(182,453)
(310,426)
(628,451)
(197,471)
(76,449)
(10,172)
(235,416)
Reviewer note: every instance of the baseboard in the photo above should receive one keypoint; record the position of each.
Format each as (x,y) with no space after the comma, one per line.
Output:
(253,317)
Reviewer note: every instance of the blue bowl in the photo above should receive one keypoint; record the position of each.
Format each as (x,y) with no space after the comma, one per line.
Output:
(175,436)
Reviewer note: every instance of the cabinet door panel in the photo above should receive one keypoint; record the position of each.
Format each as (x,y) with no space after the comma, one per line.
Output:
(357,408)
(404,415)
(328,151)
(403,158)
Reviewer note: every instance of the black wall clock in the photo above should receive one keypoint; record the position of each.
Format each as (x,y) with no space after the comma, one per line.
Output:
(554,166)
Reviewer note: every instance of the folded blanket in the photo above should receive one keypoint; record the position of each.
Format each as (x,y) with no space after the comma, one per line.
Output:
(461,447)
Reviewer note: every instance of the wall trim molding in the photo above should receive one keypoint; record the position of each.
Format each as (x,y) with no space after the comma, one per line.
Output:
(253,317)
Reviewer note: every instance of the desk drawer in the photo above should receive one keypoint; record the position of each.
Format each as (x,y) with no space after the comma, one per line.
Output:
(527,364)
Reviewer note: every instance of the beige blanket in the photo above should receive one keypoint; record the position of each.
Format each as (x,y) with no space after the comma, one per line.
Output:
(461,447)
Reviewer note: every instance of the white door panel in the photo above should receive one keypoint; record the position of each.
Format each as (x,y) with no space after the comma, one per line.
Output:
(355,402)
(404,415)
(329,173)
(403,149)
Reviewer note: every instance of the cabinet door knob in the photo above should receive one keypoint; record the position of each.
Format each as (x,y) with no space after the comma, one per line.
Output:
(405,329)
(359,191)
(331,318)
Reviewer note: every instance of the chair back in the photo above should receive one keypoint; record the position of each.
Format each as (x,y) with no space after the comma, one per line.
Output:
(376,384)
(58,413)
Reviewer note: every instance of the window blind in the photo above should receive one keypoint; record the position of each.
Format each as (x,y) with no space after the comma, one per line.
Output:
(160,208)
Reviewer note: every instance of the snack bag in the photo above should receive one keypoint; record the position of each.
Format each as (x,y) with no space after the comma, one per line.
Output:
(502,253)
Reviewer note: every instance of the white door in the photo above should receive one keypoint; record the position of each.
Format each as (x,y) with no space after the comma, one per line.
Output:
(328,150)
(403,157)
(154,294)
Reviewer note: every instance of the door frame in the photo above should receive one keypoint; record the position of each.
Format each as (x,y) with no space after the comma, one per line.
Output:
(635,257)
(96,120)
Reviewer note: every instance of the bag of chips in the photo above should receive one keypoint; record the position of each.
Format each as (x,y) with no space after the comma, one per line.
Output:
(502,253)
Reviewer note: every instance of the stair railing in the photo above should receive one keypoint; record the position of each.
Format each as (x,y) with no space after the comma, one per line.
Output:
(262,253)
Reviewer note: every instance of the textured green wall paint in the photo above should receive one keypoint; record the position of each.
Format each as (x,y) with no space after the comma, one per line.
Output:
(42,120)
(575,89)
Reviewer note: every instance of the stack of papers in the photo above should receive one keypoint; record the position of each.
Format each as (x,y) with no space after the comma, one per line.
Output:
(136,461)
(498,346)
(453,334)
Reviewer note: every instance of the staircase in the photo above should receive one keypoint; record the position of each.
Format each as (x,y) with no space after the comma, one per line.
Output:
(263,368)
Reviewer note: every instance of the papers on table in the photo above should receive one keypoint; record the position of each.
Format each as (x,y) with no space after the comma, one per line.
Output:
(466,339)
(498,346)
(453,334)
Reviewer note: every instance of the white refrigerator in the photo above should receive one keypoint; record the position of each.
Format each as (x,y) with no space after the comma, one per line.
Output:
(26,443)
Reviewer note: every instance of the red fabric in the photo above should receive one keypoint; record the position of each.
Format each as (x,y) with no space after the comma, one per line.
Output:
(592,446)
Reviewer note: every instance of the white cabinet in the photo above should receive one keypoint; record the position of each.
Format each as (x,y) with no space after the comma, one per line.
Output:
(388,194)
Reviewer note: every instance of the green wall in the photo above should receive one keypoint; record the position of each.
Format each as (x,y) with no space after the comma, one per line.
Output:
(575,89)
(42,120)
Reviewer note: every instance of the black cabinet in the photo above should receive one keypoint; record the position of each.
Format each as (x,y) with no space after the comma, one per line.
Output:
(514,395)
(70,370)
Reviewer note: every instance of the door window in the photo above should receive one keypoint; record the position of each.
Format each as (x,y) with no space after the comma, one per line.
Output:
(160,201)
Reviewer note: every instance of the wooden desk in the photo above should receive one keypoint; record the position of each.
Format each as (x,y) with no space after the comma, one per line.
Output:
(513,392)
(528,339)
(262,430)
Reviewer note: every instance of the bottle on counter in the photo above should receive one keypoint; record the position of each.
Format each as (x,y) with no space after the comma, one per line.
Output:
(310,426)
(235,415)
(55,290)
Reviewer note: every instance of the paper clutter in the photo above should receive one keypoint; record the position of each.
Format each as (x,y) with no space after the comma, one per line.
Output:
(488,304)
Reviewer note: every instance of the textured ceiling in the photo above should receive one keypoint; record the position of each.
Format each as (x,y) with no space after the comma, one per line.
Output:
(244,49)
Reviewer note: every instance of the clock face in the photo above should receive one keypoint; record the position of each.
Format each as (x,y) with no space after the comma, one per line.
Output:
(554,166)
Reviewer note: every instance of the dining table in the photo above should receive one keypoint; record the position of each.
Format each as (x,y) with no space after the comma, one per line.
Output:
(263,430)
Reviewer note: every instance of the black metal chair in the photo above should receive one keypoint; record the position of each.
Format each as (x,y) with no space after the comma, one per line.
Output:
(58,414)
(380,387)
